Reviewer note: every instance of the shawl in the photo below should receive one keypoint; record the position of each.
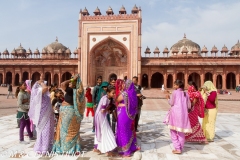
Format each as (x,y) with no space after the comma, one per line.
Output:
(193,93)
(79,100)
(101,91)
(37,102)
(28,83)
(130,99)
(209,86)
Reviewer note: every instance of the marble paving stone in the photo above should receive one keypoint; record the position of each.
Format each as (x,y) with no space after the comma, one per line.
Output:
(153,138)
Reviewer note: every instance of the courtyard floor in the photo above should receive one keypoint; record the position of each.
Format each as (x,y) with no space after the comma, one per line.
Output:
(153,137)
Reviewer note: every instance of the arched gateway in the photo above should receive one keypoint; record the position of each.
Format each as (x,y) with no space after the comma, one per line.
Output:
(108,57)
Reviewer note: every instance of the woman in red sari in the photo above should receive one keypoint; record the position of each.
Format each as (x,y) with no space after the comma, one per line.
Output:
(197,110)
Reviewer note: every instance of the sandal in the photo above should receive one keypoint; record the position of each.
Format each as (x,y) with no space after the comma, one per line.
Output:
(176,152)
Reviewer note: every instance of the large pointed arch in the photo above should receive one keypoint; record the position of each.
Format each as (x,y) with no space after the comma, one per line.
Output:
(108,56)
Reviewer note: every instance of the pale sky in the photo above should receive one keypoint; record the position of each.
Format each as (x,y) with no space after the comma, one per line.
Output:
(35,23)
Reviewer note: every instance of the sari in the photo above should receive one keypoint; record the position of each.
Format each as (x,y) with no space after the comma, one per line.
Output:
(125,134)
(41,114)
(209,120)
(67,139)
(196,111)
(28,83)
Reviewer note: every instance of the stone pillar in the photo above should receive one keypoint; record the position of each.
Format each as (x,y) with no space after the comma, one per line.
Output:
(165,80)
(4,77)
(149,80)
(224,81)
(185,79)
(59,79)
(13,78)
(237,79)
(215,79)
(174,77)
(202,79)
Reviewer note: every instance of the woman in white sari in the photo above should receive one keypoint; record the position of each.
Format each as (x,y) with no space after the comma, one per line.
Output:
(41,114)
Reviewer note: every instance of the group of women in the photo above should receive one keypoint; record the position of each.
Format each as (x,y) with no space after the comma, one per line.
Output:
(37,106)
(124,141)
(186,107)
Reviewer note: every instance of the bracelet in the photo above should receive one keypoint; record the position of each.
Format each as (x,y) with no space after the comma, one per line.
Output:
(72,80)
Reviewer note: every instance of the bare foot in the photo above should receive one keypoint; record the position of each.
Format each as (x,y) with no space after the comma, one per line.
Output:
(111,154)
(176,152)
(97,151)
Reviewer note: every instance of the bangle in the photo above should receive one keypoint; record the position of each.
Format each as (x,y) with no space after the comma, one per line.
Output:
(72,80)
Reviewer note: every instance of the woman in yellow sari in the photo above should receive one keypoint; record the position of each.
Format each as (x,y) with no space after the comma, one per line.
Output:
(209,94)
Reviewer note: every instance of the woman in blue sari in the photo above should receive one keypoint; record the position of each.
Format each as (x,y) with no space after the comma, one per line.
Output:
(67,139)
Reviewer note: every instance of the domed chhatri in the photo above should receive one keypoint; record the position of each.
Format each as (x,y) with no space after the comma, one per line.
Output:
(54,47)
(186,46)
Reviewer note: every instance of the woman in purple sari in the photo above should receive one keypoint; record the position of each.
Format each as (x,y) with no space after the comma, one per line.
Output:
(41,114)
(127,109)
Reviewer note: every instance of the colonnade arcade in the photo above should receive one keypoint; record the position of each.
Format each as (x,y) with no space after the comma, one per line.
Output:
(11,78)
(220,80)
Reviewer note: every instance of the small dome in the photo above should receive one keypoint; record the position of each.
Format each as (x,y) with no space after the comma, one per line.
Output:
(44,51)
(110,11)
(60,51)
(54,47)
(85,11)
(188,44)
(76,51)
(236,46)
(29,51)
(224,49)
(36,51)
(147,50)
(204,49)
(156,50)
(135,9)
(97,11)
(165,50)
(5,52)
(14,51)
(122,10)
(68,51)
(21,50)
(214,49)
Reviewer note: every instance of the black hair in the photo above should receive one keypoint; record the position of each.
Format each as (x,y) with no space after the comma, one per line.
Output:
(113,78)
(135,77)
(52,85)
(18,88)
(191,83)
(99,77)
(110,88)
(125,78)
(180,84)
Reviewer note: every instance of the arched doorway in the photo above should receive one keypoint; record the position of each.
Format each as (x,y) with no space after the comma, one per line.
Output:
(9,77)
(231,81)
(48,78)
(170,81)
(66,76)
(1,78)
(106,57)
(35,77)
(195,77)
(157,80)
(113,75)
(16,79)
(219,82)
(25,76)
(180,76)
(208,77)
(56,79)
(145,80)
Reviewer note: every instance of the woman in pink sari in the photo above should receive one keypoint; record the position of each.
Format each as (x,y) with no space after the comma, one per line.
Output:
(177,118)
(126,112)
(197,110)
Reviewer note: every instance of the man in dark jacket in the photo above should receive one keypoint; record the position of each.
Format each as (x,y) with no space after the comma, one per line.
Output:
(94,97)
(10,91)
(140,100)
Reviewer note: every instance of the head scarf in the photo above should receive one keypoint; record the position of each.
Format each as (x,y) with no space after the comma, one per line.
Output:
(101,91)
(130,99)
(79,99)
(209,86)
(118,86)
(193,93)
(28,83)
(88,93)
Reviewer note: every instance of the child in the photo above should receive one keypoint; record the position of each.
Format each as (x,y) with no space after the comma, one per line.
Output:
(56,103)
(23,103)
(177,118)
(104,138)
(88,95)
